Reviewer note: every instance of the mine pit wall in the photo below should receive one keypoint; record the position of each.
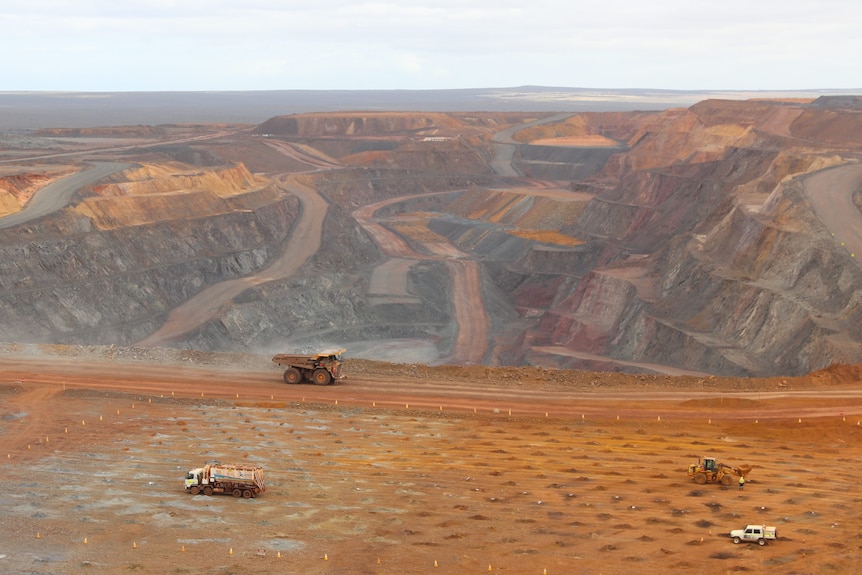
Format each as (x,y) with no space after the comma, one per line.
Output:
(561,163)
(482,240)
(514,209)
(747,264)
(485,222)
(588,316)
(504,325)
(117,286)
(605,317)
(428,158)
(348,124)
(391,124)
(543,259)
(647,339)
(310,311)
(325,303)
(759,329)
(720,324)
(754,286)
(129,211)
(648,207)
(801,260)
(149,179)
(767,332)
(356,187)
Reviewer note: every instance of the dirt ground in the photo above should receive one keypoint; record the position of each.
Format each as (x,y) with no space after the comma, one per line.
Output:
(409,469)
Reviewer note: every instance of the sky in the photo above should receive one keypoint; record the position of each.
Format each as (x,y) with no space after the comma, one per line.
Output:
(215,45)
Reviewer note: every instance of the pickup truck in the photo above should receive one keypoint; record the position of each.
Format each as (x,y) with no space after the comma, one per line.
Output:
(759,534)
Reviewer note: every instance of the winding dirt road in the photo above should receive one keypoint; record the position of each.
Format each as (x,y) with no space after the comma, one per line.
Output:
(471,342)
(830,192)
(304,241)
(505,146)
(56,195)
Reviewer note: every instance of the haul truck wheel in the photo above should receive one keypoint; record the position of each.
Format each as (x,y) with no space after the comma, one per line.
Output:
(292,375)
(208,490)
(247,493)
(195,490)
(321,376)
(237,492)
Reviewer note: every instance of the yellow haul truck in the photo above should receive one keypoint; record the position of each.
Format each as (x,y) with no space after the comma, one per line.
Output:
(321,368)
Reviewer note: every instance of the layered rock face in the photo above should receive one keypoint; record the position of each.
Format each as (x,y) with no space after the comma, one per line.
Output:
(715,259)
(110,268)
(387,124)
(722,239)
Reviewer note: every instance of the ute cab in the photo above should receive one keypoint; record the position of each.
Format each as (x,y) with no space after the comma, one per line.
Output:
(759,534)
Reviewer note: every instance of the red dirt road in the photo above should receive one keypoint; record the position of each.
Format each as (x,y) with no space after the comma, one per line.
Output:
(436,390)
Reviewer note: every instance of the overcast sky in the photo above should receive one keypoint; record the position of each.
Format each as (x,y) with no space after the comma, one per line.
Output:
(154,45)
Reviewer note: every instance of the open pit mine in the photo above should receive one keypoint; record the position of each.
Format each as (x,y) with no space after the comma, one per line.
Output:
(721,239)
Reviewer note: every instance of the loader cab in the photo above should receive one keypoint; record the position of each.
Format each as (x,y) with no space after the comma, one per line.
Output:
(709,464)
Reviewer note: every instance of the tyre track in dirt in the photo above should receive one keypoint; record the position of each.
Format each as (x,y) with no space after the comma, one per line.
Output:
(29,422)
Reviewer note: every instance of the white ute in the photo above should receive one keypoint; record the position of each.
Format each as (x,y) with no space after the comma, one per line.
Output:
(759,534)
